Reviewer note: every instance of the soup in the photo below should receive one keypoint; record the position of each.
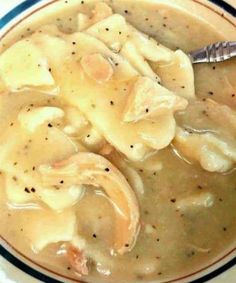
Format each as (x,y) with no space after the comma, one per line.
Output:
(117,155)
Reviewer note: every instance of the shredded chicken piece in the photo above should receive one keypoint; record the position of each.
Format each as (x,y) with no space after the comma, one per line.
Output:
(78,260)
(97,67)
(95,170)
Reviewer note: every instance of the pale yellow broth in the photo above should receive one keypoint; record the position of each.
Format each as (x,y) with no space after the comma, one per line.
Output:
(171,243)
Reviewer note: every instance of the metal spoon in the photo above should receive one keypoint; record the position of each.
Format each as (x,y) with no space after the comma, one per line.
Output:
(216,52)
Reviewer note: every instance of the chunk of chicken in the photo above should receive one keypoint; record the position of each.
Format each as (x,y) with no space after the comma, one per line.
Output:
(78,260)
(31,118)
(92,169)
(23,64)
(97,67)
(204,199)
(148,98)
(213,153)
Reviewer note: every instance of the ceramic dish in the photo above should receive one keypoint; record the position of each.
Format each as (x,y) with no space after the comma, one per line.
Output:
(219,13)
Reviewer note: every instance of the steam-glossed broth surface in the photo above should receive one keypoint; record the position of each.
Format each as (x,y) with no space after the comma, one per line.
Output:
(117,157)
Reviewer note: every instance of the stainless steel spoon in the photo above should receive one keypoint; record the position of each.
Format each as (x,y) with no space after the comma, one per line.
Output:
(216,52)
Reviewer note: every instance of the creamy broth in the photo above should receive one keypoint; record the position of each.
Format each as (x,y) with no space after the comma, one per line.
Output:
(187,213)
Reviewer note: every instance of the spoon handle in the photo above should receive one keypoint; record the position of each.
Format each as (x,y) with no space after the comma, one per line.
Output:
(216,52)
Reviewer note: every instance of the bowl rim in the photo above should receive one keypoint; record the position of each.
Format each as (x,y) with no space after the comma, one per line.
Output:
(18,263)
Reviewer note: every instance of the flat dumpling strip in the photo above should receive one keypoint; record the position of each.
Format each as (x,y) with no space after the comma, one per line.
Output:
(100,12)
(131,53)
(87,44)
(16,191)
(72,47)
(27,191)
(177,74)
(114,31)
(213,153)
(23,64)
(159,133)
(31,118)
(148,99)
(106,117)
(46,228)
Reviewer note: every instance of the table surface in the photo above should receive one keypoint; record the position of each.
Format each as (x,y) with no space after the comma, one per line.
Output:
(10,274)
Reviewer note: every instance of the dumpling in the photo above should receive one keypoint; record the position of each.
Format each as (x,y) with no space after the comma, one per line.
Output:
(213,153)
(31,118)
(131,53)
(148,98)
(177,74)
(100,12)
(113,31)
(17,192)
(46,228)
(23,64)
(204,199)
(159,133)
(87,44)
(58,198)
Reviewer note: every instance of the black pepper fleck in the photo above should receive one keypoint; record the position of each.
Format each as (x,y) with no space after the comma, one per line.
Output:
(27,190)
(107,169)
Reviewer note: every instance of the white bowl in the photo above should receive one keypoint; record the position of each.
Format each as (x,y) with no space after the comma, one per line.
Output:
(14,266)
